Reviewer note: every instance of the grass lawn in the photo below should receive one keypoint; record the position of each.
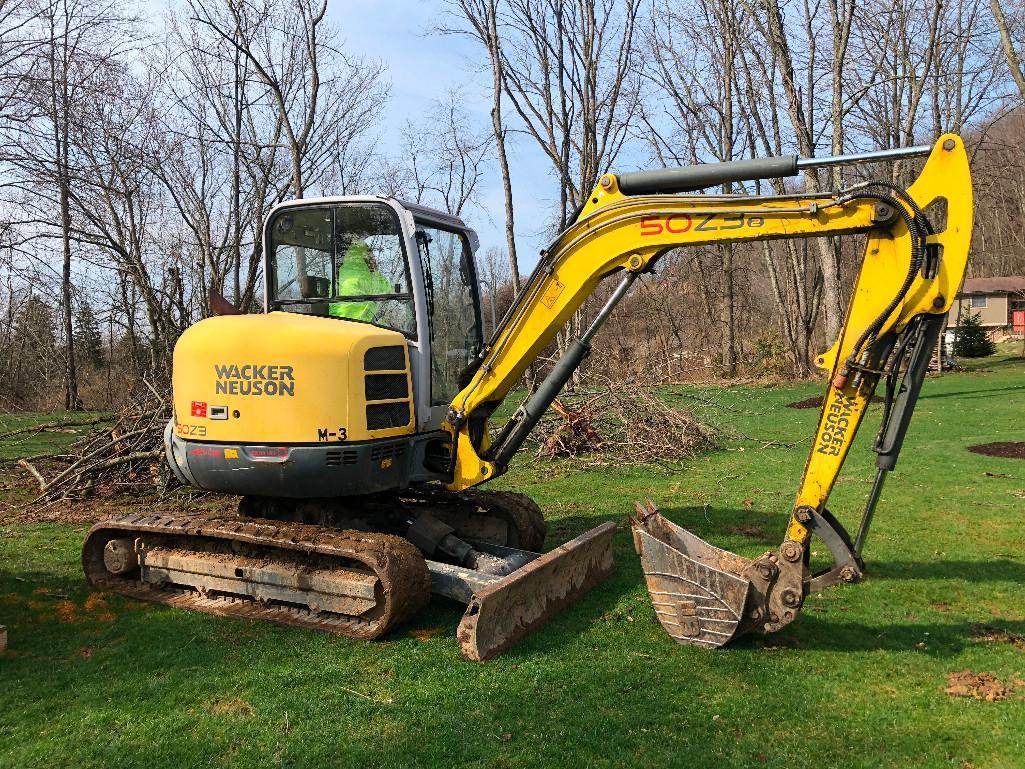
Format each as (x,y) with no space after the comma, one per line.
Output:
(856,681)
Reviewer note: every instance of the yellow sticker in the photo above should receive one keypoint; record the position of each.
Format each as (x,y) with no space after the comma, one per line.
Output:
(231,453)
(386,463)
(552,293)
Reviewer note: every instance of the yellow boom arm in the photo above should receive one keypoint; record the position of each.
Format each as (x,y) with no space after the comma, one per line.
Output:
(913,265)
(907,271)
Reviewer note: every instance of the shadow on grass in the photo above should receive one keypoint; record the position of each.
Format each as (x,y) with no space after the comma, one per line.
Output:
(761,527)
(994,570)
(811,633)
(972,394)
(719,525)
(441,617)
(983,366)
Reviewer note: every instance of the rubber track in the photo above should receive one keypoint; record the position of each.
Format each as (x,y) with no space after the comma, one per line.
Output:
(405,584)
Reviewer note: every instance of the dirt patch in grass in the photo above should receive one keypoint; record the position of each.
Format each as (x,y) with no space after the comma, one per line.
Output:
(96,605)
(1007,449)
(67,613)
(95,608)
(426,633)
(994,634)
(745,530)
(816,401)
(979,686)
(235,707)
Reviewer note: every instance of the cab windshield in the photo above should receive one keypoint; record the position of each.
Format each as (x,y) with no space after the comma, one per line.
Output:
(343,261)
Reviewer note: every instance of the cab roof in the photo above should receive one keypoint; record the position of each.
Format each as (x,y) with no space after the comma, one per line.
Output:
(421,211)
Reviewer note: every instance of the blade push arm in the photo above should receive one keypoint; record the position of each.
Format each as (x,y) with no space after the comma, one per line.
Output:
(620,233)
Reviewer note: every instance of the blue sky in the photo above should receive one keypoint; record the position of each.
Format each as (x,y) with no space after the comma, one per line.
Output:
(422,66)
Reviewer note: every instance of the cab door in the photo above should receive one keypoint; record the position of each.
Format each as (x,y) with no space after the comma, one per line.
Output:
(453,309)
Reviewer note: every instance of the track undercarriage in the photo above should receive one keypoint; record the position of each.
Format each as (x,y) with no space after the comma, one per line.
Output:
(357,567)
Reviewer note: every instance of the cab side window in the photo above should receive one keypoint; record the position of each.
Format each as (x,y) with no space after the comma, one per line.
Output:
(450,280)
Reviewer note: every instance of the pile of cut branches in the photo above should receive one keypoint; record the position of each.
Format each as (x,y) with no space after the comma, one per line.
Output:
(619,423)
(124,453)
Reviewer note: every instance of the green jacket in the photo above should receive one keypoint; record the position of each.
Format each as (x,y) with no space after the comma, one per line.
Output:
(356,279)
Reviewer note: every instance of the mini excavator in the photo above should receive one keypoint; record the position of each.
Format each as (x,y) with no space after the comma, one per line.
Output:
(353,417)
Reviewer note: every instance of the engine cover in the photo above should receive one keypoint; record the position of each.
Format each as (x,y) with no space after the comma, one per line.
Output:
(285,378)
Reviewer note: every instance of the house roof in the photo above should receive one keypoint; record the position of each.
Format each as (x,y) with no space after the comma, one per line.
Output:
(1004,285)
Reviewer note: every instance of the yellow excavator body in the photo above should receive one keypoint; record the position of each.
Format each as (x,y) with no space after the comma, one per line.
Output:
(356,426)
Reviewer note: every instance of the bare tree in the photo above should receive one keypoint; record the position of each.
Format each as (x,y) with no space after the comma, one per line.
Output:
(286,44)
(693,65)
(447,155)
(481,20)
(569,75)
(1007,42)
(774,48)
(76,37)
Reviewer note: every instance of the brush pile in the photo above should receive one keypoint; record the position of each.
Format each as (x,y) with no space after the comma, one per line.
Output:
(616,424)
(122,454)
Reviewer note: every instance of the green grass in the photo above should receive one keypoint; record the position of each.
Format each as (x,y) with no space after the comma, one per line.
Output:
(856,681)
(32,443)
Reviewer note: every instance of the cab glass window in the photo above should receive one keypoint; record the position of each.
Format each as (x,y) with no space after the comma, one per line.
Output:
(345,261)
(451,283)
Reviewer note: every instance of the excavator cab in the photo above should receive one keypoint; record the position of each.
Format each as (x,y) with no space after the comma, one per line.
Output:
(373,315)
(418,279)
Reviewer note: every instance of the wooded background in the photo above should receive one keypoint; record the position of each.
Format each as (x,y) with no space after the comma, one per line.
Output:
(136,168)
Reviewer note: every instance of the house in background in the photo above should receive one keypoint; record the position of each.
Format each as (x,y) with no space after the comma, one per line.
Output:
(999,302)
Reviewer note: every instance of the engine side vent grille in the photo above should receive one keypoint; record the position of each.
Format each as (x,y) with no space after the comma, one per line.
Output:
(385,359)
(381,416)
(338,457)
(382,387)
(387,451)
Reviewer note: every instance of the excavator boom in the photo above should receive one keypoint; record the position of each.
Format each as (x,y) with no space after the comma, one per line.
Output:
(914,261)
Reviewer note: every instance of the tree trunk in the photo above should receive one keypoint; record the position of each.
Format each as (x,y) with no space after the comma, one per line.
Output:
(727,316)
(59,114)
(72,402)
(494,53)
(1013,61)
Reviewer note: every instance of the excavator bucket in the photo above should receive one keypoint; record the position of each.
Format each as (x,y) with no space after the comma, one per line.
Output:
(503,611)
(699,591)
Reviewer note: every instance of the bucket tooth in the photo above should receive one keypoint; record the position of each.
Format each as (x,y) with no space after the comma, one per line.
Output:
(698,590)
(507,609)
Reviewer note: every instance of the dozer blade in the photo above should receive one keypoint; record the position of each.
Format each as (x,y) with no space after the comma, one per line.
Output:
(504,611)
(698,590)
